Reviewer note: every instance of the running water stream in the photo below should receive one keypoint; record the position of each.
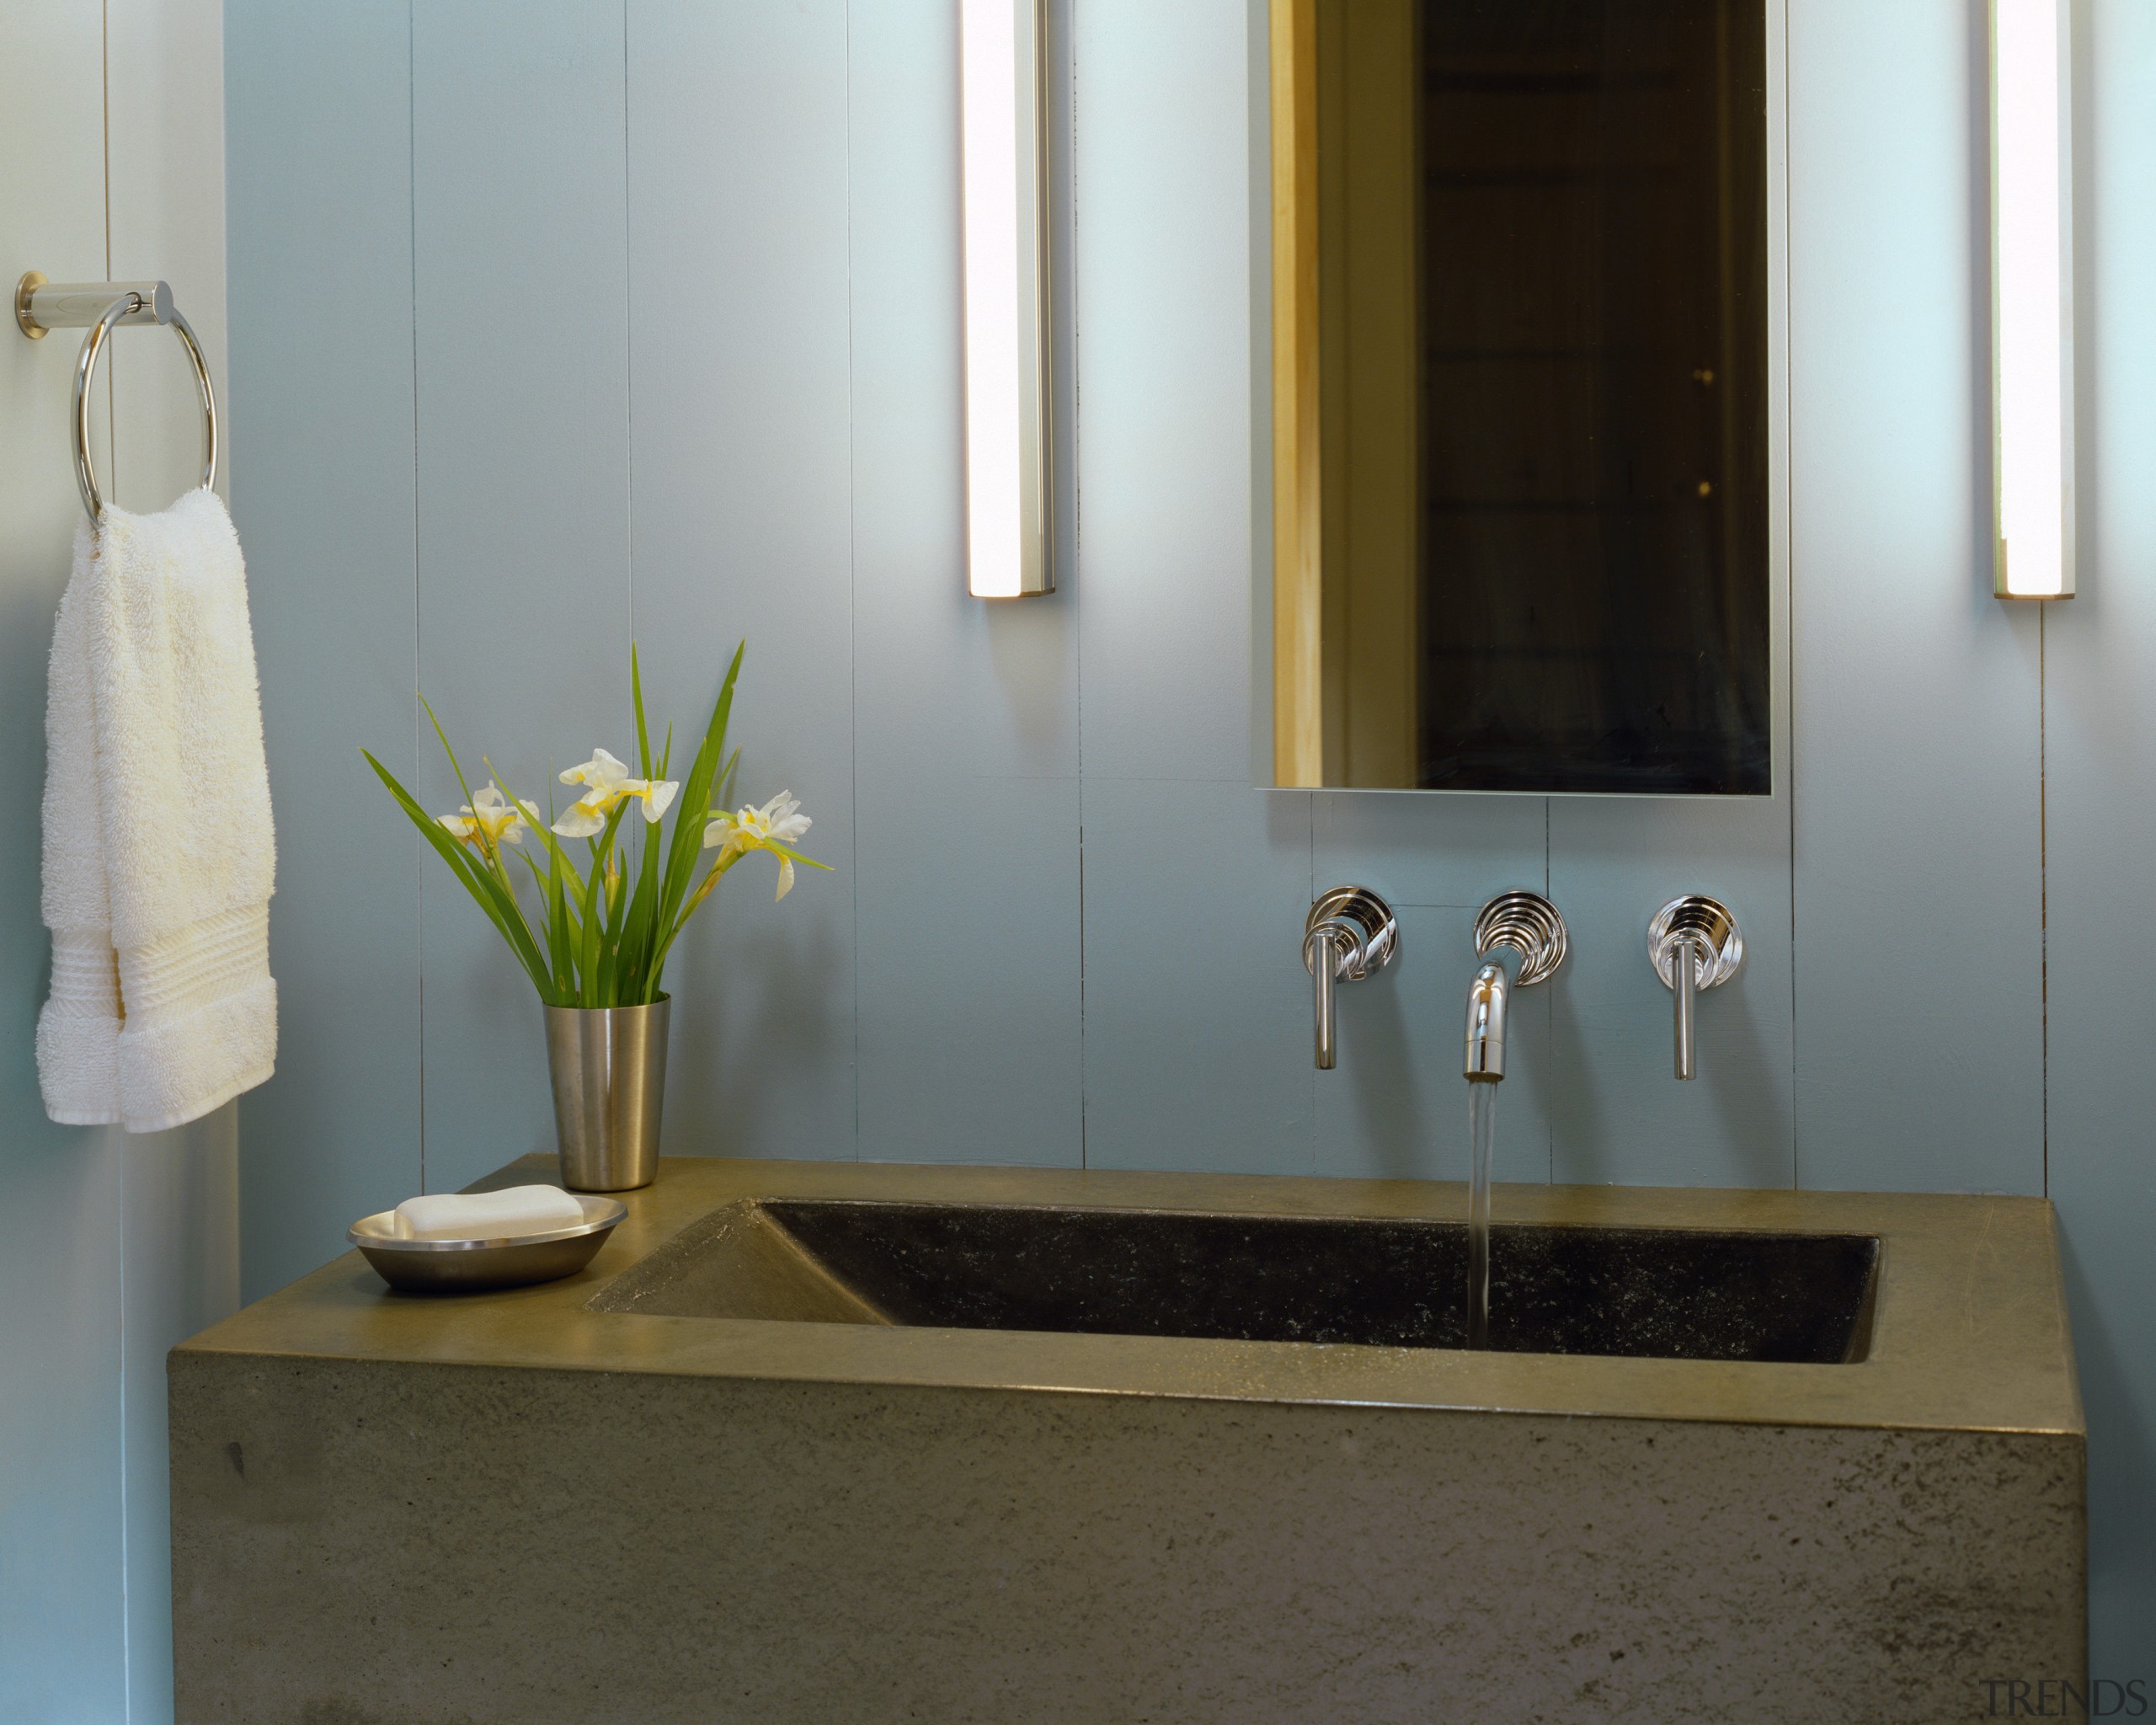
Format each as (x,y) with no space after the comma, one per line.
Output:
(1481,1128)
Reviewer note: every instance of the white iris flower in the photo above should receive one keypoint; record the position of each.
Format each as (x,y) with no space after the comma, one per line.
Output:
(779,822)
(489,815)
(606,783)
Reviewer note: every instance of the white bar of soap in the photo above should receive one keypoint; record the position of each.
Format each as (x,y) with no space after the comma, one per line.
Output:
(489,1215)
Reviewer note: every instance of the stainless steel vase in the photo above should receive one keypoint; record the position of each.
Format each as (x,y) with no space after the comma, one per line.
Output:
(608,1066)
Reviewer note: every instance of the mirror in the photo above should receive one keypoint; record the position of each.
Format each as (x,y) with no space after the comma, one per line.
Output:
(1520,363)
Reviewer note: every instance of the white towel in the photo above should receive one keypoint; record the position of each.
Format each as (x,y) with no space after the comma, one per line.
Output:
(159,858)
(490,1215)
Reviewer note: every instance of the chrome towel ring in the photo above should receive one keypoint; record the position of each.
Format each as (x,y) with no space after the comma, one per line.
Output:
(102,307)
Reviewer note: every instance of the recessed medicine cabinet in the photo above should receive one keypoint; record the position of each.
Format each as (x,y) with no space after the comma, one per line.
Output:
(1520,378)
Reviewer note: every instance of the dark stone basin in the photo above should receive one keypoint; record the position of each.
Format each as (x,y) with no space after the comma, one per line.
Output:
(1644,1293)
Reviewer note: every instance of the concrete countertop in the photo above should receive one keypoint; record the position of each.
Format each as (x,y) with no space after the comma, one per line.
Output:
(1969,1333)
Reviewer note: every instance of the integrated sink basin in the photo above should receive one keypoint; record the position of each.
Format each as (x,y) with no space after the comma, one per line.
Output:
(818,1441)
(1638,1293)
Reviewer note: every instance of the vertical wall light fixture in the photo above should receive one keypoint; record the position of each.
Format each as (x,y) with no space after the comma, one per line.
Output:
(2032,299)
(1005,272)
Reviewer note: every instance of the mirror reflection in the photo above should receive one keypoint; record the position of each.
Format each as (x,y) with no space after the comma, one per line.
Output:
(1520,395)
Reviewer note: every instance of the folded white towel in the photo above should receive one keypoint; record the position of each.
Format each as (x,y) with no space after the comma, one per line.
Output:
(159,858)
(490,1215)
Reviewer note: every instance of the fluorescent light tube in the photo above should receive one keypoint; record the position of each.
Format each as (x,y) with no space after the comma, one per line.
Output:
(2032,299)
(1006,321)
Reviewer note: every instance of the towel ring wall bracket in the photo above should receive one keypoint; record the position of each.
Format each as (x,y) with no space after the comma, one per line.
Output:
(102,307)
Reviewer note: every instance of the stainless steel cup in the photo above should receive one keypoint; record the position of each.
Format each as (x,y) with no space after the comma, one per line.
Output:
(608,1066)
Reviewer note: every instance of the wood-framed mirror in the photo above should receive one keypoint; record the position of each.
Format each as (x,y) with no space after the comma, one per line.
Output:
(1520,396)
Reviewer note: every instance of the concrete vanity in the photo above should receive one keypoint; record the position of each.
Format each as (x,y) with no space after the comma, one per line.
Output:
(741,1493)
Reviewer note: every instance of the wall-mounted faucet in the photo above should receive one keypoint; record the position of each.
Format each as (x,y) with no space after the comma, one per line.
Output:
(1349,933)
(1521,940)
(1694,943)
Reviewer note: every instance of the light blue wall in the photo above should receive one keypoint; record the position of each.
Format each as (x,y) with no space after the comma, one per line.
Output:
(2100,712)
(556,323)
(63,1477)
(1918,763)
(112,1246)
(318,180)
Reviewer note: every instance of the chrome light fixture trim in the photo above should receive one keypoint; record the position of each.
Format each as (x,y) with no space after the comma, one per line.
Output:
(2032,298)
(1006,279)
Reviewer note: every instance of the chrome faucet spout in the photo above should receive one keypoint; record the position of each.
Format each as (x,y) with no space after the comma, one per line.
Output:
(1489,1000)
(1520,938)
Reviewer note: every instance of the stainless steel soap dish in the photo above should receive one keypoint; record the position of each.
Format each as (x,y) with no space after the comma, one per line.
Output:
(469,1266)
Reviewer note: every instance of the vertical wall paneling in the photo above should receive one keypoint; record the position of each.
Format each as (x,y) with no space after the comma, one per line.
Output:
(521,374)
(741,457)
(813,507)
(1164,380)
(180,1234)
(1195,882)
(180,1237)
(1917,850)
(965,739)
(1198,1031)
(319,129)
(61,1551)
(2101,832)
(112,1246)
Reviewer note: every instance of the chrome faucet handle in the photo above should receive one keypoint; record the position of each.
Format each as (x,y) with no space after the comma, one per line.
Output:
(1526,927)
(1354,932)
(1529,925)
(1693,943)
